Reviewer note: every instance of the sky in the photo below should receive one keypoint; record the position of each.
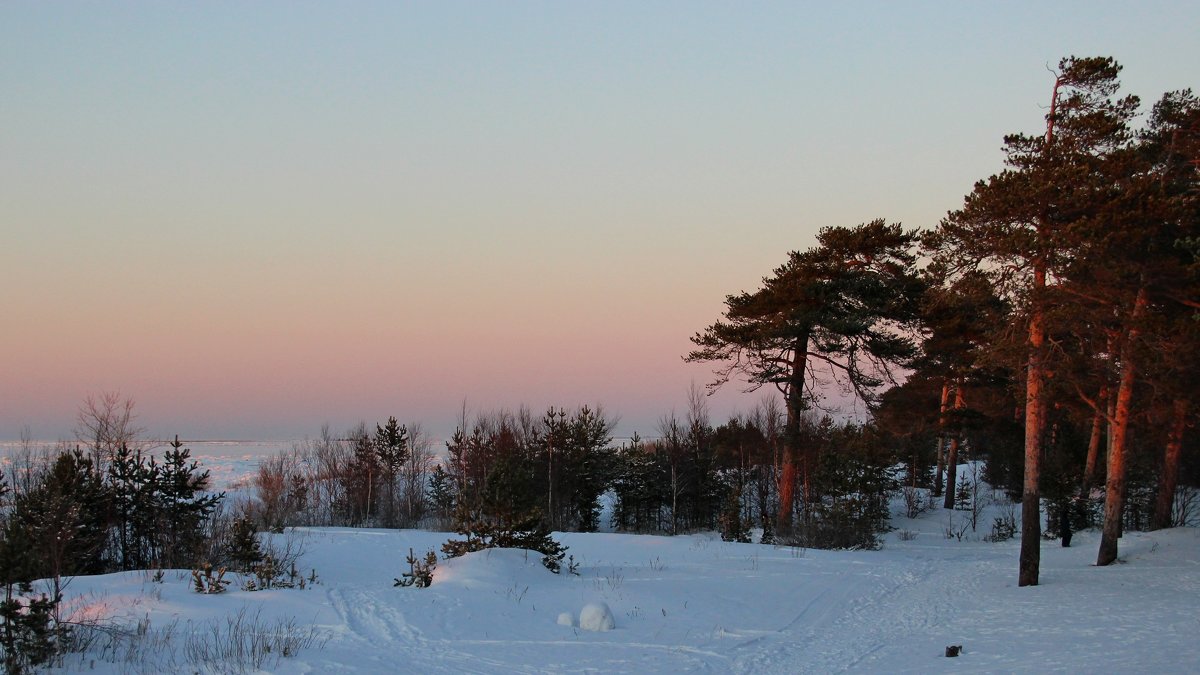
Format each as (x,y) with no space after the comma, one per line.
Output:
(257,218)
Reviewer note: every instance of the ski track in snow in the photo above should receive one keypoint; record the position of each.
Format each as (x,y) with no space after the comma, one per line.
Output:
(831,613)
(862,611)
(846,618)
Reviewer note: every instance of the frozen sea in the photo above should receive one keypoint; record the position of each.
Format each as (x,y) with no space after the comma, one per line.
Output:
(230,463)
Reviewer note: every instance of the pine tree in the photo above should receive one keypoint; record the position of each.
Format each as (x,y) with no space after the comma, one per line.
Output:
(847,304)
(130,488)
(441,492)
(63,518)
(359,481)
(733,526)
(183,506)
(392,450)
(245,551)
(28,636)
(964,496)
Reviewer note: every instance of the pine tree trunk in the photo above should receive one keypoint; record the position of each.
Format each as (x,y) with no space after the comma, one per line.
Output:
(941,439)
(1093,453)
(787,494)
(952,459)
(795,407)
(1114,490)
(1170,471)
(1035,420)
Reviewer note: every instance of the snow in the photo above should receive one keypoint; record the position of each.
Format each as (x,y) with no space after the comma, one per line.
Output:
(691,603)
(596,616)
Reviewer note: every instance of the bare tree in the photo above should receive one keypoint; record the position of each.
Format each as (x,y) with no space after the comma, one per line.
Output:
(672,442)
(106,421)
(419,464)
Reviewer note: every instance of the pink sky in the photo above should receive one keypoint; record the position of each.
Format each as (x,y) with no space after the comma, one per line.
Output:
(257,218)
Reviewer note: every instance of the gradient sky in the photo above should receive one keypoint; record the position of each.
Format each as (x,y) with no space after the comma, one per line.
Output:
(254,218)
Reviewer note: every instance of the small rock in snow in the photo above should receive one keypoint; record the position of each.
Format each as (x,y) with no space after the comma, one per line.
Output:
(566,619)
(597,616)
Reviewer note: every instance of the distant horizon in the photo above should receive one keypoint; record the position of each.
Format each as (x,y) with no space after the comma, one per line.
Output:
(718,414)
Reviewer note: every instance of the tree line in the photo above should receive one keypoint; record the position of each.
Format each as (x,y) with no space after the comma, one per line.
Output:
(1055,313)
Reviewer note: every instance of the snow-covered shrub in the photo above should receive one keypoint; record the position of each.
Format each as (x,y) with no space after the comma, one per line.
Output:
(247,642)
(269,573)
(916,500)
(206,582)
(1004,527)
(597,616)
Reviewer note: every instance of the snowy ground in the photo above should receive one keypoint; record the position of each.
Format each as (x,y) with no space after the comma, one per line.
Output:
(695,603)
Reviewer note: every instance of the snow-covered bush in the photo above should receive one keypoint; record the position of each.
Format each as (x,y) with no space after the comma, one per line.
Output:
(206,582)
(916,500)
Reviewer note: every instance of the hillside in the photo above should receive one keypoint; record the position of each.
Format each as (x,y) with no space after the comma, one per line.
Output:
(689,603)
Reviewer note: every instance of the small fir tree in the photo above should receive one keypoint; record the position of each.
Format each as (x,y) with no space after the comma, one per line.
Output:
(245,551)
(964,496)
(441,492)
(733,527)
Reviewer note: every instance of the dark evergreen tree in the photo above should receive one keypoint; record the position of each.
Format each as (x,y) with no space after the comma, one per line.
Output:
(732,525)
(131,487)
(159,511)
(583,467)
(851,509)
(441,493)
(245,550)
(183,505)
(528,532)
(28,636)
(391,452)
(640,486)
(360,494)
(62,518)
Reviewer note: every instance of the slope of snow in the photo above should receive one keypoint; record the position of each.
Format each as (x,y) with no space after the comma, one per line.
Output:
(695,603)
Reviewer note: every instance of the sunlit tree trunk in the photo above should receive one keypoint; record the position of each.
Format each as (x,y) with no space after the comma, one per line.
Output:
(1093,453)
(952,459)
(941,439)
(1114,490)
(1035,422)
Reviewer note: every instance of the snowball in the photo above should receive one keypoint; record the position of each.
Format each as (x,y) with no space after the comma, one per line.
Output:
(597,616)
(566,619)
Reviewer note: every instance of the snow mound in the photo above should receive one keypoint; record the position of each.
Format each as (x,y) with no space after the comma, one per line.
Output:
(494,567)
(566,619)
(597,616)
